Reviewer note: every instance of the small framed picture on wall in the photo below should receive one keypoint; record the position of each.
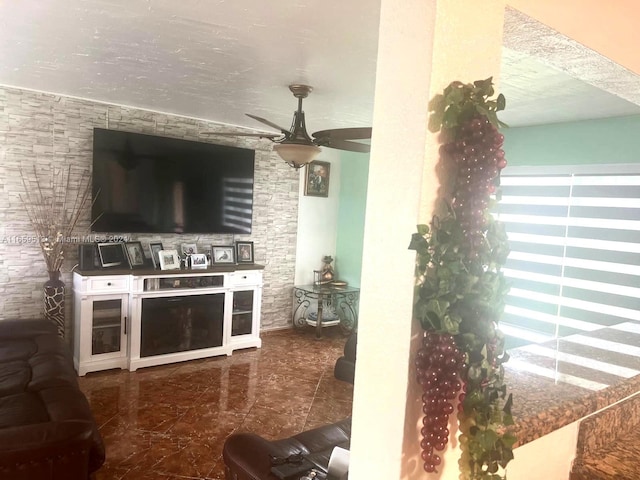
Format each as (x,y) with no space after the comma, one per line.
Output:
(317,179)
(244,252)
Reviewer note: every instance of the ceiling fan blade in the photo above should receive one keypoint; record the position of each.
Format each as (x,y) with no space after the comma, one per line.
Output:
(241,134)
(344,145)
(271,124)
(356,133)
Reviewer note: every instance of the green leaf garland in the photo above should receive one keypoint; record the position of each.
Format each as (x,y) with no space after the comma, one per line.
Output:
(460,290)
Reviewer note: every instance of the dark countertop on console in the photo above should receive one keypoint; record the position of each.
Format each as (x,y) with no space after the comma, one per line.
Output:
(153,272)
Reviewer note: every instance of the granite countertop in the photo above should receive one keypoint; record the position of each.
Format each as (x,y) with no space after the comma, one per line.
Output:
(558,382)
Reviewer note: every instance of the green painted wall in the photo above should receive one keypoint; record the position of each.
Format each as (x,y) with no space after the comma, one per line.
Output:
(353,199)
(611,140)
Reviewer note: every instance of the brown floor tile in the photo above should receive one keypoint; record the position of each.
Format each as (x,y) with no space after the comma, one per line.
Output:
(170,422)
(272,424)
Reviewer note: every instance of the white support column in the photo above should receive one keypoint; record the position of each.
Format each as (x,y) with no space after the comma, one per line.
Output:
(423,46)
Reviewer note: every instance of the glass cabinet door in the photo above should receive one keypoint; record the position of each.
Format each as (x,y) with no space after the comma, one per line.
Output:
(242,314)
(106,331)
(181,323)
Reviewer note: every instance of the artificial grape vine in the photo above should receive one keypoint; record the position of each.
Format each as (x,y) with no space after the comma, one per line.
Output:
(438,365)
(460,292)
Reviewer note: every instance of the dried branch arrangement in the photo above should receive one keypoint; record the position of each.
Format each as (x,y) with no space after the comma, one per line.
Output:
(54,210)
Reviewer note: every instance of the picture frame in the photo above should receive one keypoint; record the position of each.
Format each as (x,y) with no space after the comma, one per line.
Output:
(244,252)
(317,175)
(198,260)
(155,247)
(169,260)
(188,248)
(223,254)
(88,257)
(112,254)
(135,254)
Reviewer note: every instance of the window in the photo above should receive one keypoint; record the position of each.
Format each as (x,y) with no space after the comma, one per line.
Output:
(574,234)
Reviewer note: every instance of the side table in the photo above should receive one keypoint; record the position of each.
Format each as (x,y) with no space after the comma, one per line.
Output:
(343,299)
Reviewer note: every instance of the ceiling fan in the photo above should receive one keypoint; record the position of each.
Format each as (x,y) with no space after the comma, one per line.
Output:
(296,146)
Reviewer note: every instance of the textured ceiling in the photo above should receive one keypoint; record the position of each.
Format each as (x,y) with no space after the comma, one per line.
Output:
(550,78)
(217,59)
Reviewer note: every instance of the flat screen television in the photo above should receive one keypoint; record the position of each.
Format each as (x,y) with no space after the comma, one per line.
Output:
(151,184)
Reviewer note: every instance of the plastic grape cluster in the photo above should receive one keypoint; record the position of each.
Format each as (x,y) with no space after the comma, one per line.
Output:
(438,366)
(479,158)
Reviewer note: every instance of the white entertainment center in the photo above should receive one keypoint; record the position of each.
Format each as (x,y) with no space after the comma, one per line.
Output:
(130,319)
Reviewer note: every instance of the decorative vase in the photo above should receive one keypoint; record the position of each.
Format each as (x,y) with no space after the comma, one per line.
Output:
(54,300)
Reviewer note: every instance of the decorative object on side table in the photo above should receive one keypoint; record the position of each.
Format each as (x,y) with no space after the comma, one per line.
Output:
(223,254)
(317,179)
(54,208)
(244,252)
(326,274)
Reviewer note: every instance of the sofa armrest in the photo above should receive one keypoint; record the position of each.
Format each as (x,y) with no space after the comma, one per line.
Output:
(26,328)
(247,456)
(256,465)
(52,451)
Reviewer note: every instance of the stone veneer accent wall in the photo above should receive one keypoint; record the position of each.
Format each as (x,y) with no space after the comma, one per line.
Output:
(42,130)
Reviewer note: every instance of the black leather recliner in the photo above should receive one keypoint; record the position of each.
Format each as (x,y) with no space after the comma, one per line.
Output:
(345,366)
(248,456)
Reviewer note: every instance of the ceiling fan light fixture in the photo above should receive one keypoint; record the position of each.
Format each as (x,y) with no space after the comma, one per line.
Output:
(297,155)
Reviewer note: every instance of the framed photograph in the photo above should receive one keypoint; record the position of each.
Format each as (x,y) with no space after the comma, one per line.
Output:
(155,248)
(112,254)
(189,248)
(169,260)
(317,179)
(223,254)
(198,260)
(135,255)
(244,252)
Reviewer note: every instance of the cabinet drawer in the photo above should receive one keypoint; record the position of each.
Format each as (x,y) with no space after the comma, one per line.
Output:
(244,278)
(107,284)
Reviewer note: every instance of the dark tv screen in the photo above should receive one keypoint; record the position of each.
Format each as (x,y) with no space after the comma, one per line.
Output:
(151,184)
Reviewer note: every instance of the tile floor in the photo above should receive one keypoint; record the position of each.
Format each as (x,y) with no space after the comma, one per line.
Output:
(170,422)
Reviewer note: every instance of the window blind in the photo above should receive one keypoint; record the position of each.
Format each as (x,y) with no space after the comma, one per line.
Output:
(575,250)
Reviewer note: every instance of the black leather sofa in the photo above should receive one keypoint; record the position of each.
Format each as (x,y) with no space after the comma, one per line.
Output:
(47,430)
(248,456)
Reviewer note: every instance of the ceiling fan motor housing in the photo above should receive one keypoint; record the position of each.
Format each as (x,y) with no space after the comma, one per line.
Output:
(300,91)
